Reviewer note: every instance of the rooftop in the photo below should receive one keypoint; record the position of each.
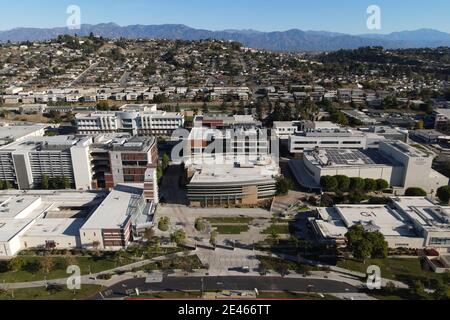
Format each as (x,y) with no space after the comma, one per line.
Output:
(345,157)
(227,171)
(116,209)
(11,133)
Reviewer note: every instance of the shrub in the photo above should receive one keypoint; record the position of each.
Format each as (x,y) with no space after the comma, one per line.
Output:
(415,192)
(357,184)
(329,183)
(443,194)
(382,184)
(343,183)
(370,185)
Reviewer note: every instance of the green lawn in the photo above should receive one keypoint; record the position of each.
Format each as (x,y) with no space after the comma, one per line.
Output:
(231,229)
(404,270)
(278,229)
(52,293)
(179,263)
(32,272)
(237,220)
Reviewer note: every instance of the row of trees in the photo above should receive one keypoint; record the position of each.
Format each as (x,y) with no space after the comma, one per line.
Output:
(345,184)
(45,264)
(5,185)
(57,183)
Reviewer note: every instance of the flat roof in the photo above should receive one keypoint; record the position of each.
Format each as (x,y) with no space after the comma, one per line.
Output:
(228,172)
(55,227)
(116,209)
(46,143)
(21,209)
(381,218)
(10,133)
(345,157)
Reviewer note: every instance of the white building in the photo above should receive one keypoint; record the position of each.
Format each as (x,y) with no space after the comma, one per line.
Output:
(395,162)
(72,219)
(133,119)
(407,222)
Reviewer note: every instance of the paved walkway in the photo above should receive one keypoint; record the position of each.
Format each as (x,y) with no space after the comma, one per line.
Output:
(92,278)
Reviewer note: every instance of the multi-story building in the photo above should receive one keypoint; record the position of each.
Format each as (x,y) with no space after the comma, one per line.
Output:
(120,159)
(69,219)
(406,222)
(396,162)
(143,120)
(85,163)
(229,162)
(25,163)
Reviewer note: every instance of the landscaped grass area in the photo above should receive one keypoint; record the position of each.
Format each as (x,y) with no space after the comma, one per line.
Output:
(280,265)
(51,293)
(237,220)
(278,229)
(231,229)
(32,271)
(179,263)
(404,270)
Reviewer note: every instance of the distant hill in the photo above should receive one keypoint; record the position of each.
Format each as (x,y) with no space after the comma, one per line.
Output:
(291,40)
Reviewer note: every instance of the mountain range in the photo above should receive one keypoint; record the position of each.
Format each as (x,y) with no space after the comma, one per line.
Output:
(291,40)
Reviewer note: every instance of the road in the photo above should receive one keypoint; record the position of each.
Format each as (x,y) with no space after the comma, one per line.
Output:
(238,283)
(83,74)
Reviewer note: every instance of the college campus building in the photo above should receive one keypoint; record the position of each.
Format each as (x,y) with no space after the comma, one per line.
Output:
(396,162)
(10,133)
(407,222)
(85,163)
(230,183)
(72,219)
(228,162)
(142,120)
(308,135)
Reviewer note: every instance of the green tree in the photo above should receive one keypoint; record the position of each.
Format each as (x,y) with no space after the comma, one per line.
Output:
(16,264)
(370,185)
(213,238)
(382,184)
(328,183)
(200,225)
(357,184)
(103,106)
(178,237)
(343,183)
(165,161)
(45,184)
(364,244)
(66,183)
(283,185)
(443,194)
(46,264)
(164,224)
(380,247)
(415,192)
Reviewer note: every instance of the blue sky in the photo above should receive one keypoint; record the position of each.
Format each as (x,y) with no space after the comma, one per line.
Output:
(348,16)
